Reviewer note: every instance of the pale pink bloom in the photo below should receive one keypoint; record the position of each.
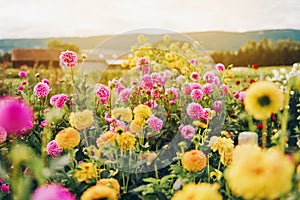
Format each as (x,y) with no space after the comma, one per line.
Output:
(41,89)
(187,131)
(68,58)
(220,67)
(147,82)
(167,74)
(125,94)
(156,78)
(194,110)
(194,86)
(3,134)
(217,106)
(195,76)
(242,95)
(52,191)
(172,93)
(144,65)
(211,77)
(155,123)
(207,88)
(103,93)
(108,118)
(52,149)
(46,110)
(186,89)
(224,89)
(196,94)
(22,74)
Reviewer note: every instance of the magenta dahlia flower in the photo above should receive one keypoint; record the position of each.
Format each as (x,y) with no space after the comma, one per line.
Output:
(41,89)
(52,191)
(103,93)
(52,149)
(68,58)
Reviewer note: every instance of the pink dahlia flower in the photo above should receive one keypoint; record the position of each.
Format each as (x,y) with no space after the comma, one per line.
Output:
(220,67)
(195,76)
(217,106)
(147,82)
(41,89)
(68,58)
(16,116)
(194,110)
(155,123)
(207,88)
(172,93)
(52,149)
(125,94)
(187,131)
(143,64)
(196,94)
(52,191)
(59,100)
(103,93)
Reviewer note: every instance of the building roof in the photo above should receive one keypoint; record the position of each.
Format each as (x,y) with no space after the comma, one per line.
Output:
(35,54)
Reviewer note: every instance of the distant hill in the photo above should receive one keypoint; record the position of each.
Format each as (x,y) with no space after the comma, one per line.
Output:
(210,40)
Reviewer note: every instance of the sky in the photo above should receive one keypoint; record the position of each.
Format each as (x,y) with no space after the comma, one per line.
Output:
(66,18)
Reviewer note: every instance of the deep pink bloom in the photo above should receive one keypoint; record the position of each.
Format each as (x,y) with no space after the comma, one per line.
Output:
(195,76)
(196,94)
(194,110)
(143,64)
(16,116)
(205,114)
(68,58)
(103,93)
(187,131)
(20,87)
(44,124)
(53,99)
(235,94)
(217,106)
(22,74)
(59,100)
(41,89)
(151,104)
(147,82)
(155,94)
(46,81)
(5,188)
(125,94)
(172,93)
(52,149)
(3,134)
(220,67)
(207,88)
(52,191)
(24,82)
(155,123)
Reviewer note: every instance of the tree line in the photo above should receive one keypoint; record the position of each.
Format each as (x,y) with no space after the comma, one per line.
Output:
(263,53)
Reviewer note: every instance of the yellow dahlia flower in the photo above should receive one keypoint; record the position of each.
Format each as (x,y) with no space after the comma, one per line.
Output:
(105,138)
(125,140)
(67,138)
(194,160)
(262,99)
(81,120)
(125,114)
(142,112)
(201,191)
(224,146)
(85,171)
(259,174)
(110,182)
(136,125)
(99,192)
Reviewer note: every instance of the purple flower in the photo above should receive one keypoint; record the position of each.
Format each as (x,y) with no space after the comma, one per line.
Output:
(125,95)
(52,149)
(41,89)
(20,87)
(144,65)
(3,134)
(194,110)
(16,116)
(220,67)
(5,188)
(147,82)
(187,131)
(217,106)
(52,191)
(195,76)
(172,93)
(68,58)
(207,88)
(155,123)
(103,93)
(196,94)
(22,74)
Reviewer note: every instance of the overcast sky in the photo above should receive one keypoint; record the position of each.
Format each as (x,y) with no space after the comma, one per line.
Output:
(58,18)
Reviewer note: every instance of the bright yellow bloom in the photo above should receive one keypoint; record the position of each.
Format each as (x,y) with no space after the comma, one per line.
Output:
(125,114)
(136,125)
(200,191)
(224,146)
(194,160)
(81,120)
(125,140)
(99,192)
(85,172)
(259,174)
(105,138)
(262,99)
(216,174)
(200,124)
(67,138)
(110,182)
(142,112)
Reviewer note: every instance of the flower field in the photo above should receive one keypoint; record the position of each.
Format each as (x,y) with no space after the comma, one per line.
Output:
(174,125)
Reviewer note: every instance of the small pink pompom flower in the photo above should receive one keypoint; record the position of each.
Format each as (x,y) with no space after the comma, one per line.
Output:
(22,74)
(187,131)
(68,58)
(196,94)
(52,191)
(220,67)
(20,87)
(194,110)
(155,123)
(103,93)
(41,89)
(195,76)
(52,149)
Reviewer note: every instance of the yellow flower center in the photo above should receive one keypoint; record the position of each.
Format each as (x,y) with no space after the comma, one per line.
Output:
(264,101)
